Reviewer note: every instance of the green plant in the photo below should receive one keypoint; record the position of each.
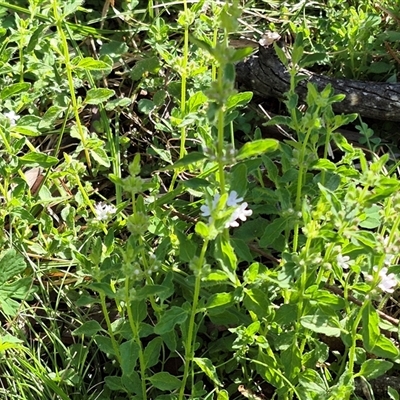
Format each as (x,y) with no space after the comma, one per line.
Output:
(157,254)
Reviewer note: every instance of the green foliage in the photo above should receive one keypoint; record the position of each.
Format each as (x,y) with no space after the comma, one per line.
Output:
(159,253)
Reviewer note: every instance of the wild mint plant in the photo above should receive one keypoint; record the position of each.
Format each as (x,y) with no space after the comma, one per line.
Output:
(177,261)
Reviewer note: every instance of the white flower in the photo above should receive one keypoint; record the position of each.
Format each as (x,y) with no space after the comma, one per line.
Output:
(239,213)
(388,259)
(233,201)
(206,210)
(387,282)
(104,211)
(343,261)
(12,117)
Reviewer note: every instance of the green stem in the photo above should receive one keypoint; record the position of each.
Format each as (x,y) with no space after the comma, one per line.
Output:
(352,350)
(303,282)
(136,337)
(191,337)
(302,171)
(182,150)
(112,137)
(68,67)
(109,328)
(326,152)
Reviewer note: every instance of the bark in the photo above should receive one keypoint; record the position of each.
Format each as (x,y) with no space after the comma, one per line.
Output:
(265,75)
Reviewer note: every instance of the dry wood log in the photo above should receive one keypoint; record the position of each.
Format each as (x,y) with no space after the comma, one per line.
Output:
(265,75)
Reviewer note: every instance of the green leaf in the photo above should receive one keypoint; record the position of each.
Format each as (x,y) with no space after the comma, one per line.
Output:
(71,6)
(393,394)
(132,383)
(322,323)
(240,54)
(8,341)
(374,341)
(88,329)
(223,395)
(273,230)
(50,116)
(281,55)
(379,67)
(100,156)
(238,178)
(267,366)
(36,36)
(195,102)
(205,46)
(18,289)
(256,301)
(11,264)
(373,217)
(104,344)
(90,64)
(256,148)
(314,58)
(173,316)
(372,369)
(114,383)
(291,360)
(187,246)
(220,300)
(215,277)
(9,306)
(26,130)
(279,120)
(150,64)
(185,161)
(98,95)
(152,352)
(129,351)
(196,183)
(226,256)
(150,290)
(239,99)
(202,230)
(38,159)
(102,287)
(208,368)
(146,106)
(14,89)
(165,381)
(242,249)
(312,382)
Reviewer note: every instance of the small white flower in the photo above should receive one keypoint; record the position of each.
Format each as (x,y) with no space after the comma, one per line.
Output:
(12,117)
(206,210)
(233,200)
(343,261)
(387,282)
(104,211)
(240,213)
(389,259)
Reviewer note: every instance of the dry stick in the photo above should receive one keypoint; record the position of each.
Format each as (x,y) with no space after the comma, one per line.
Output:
(340,292)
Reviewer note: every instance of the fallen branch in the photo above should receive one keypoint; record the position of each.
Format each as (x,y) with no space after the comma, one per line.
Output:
(267,76)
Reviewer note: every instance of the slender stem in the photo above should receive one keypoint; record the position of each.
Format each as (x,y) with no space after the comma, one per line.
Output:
(191,337)
(109,328)
(68,68)
(302,171)
(112,137)
(352,350)
(136,337)
(182,150)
